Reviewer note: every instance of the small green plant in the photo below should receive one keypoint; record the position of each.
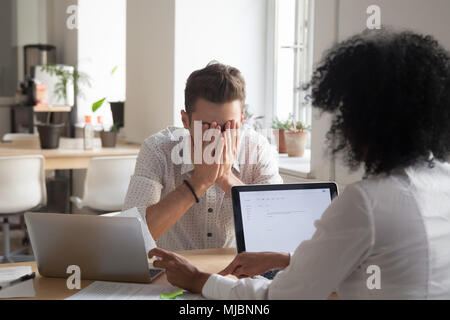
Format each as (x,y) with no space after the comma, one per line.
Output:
(301,126)
(297,125)
(66,77)
(281,125)
(114,128)
(97,104)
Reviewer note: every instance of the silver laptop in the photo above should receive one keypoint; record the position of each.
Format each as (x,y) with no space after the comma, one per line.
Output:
(105,248)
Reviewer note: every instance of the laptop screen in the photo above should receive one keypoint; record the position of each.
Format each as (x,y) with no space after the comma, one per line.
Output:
(279,220)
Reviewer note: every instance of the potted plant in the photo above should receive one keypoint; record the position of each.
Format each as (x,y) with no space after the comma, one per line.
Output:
(296,139)
(279,128)
(49,133)
(108,137)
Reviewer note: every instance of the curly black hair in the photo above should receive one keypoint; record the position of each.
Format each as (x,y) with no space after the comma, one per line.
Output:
(390,96)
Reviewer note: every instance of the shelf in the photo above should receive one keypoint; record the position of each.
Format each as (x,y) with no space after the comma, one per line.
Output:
(52,109)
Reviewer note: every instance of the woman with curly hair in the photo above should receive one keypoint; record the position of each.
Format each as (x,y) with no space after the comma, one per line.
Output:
(388,235)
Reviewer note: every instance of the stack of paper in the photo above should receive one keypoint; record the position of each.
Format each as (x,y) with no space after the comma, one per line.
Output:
(22,290)
(103,290)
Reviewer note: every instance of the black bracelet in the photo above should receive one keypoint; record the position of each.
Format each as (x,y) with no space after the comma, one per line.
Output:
(192,190)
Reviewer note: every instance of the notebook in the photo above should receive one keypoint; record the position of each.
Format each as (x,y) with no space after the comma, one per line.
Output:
(21,290)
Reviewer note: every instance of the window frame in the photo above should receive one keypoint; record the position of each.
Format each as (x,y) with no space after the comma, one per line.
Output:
(304,25)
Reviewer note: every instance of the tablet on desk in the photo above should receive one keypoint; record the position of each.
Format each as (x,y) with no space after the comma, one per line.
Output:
(104,248)
(278,217)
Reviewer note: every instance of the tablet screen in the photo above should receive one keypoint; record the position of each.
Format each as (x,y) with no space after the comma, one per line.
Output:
(279,220)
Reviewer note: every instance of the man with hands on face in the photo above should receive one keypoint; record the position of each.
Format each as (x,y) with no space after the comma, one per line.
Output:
(179,218)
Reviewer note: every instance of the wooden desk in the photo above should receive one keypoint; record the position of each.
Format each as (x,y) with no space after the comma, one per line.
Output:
(69,155)
(209,260)
(52,109)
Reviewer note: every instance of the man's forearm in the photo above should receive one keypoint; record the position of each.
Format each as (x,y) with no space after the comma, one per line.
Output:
(164,214)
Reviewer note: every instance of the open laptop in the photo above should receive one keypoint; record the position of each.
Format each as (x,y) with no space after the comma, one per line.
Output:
(278,217)
(105,248)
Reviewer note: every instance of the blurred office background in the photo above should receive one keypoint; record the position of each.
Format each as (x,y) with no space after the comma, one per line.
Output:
(138,54)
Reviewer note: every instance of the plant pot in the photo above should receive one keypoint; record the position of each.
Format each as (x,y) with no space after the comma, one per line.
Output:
(49,135)
(108,139)
(280,140)
(296,143)
(117,110)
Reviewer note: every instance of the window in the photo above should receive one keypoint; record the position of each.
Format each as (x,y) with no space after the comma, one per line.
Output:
(101,49)
(292,58)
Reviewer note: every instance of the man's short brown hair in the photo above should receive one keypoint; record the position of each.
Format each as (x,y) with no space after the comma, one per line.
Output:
(216,83)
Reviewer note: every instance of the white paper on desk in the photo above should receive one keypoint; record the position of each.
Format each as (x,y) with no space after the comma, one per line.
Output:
(103,290)
(21,290)
(148,239)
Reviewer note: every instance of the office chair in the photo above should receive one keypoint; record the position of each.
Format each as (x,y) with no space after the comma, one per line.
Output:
(19,137)
(106,183)
(22,188)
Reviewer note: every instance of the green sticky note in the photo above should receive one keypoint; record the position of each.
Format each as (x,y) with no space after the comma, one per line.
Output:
(171,295)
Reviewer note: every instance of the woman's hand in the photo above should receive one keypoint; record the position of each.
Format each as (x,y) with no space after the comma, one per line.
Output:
(248,264)
(179,271)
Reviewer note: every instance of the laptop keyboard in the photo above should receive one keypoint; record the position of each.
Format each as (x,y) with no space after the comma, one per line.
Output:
(270,274)
(154,272)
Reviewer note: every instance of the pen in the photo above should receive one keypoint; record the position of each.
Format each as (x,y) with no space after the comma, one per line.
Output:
(19,280)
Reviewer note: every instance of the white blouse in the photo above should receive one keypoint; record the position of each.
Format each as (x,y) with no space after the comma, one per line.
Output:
(398,223)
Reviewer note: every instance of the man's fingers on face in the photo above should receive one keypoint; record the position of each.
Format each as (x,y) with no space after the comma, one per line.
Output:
(224,146)
(219,150)
(228,125)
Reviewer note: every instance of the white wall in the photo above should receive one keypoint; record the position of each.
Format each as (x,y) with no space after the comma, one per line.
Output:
(232,32)
(65,40)
(31,27)
(101,47)
(8,51)
(150,67)
(167,40)
(325,33)
(425,16)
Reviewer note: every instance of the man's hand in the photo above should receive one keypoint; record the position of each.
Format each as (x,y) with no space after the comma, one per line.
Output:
(226,179)
(206,173)
(230,150)
(248,264)
(180,272)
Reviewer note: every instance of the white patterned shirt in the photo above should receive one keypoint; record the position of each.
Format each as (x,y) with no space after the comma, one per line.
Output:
(209,223)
